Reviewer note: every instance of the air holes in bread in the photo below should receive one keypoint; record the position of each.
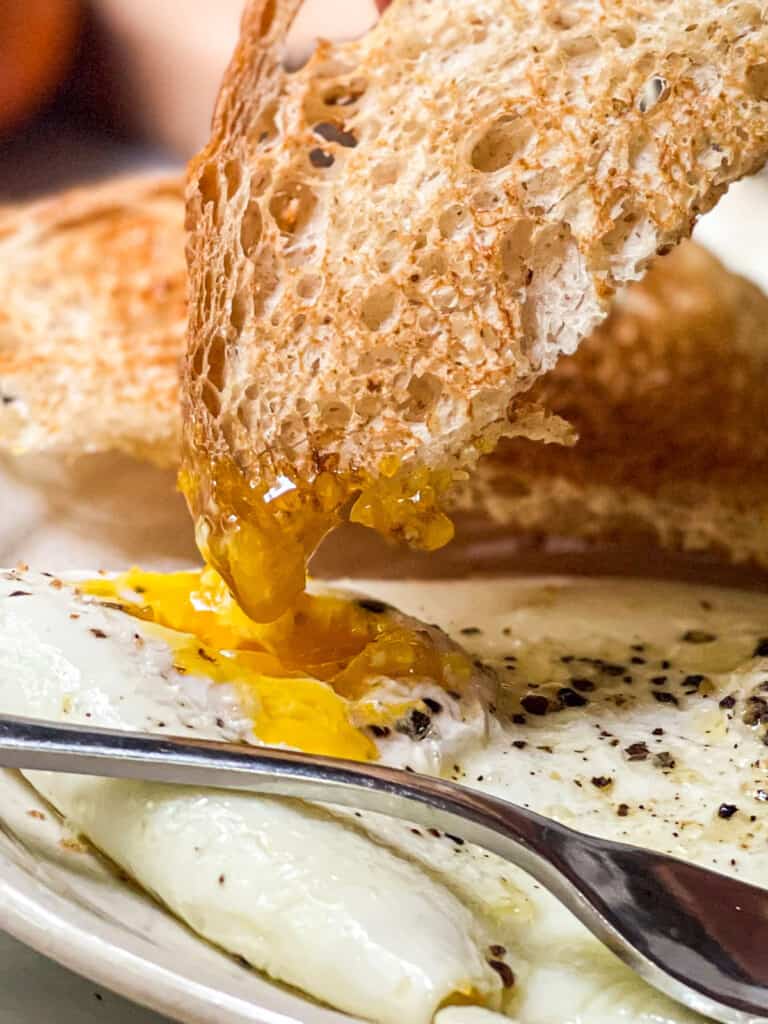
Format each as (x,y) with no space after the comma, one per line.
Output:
(516,255)
(240,309)
(344,94)
(250,228)
(757,79)
(379,307)
(578,46)
(309,286)
(331,131)
(498,146)
(215,361)
(423,392)
(197,360)
(336,415)
(321,158)
(208,184)
(233,176)
(263,129)
(453,221)
(292,207)
(624,35)
(655,90)
(385,172)
(444,297)
(267,16)
(211,399)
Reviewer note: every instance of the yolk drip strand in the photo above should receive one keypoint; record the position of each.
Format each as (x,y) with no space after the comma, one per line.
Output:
(259,532)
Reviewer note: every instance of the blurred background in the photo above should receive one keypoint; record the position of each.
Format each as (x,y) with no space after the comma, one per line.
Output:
(90,88)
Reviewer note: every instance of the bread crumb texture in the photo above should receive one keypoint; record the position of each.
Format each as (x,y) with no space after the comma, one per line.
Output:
(391,244)
(93,319)
(671,418)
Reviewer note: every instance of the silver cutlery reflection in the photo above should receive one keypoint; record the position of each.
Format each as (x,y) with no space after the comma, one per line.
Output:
(695,934)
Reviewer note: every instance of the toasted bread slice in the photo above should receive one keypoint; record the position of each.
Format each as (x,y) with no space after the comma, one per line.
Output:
(672,423)
(92,319)
(673,438)
(389,246)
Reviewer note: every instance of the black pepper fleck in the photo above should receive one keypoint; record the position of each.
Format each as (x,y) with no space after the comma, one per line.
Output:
(98,633)
(570,698)
(665,698)
(693,682)
(664,760)
(726,811)
(504,971)
(535,705)
(416,724)
(601,781)
(583,685)
(728,702)
(368,604)
(637,751)
(698,636)
(622,810)
(761,651)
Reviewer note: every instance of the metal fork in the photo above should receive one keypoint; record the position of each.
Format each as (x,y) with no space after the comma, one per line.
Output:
(697,935)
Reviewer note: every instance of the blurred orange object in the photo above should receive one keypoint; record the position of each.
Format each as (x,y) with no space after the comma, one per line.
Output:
(37,43)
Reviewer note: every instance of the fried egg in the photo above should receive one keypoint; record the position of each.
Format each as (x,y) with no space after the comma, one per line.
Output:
(633,710)
(300,893)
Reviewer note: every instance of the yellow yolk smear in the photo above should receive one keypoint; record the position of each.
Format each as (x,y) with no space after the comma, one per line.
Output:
(306,680)
(259,533)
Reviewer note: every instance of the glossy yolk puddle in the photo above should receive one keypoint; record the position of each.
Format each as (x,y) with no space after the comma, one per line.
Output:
(306,679)
(259,533)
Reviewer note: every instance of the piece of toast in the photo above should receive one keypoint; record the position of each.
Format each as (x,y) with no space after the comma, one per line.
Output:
(389,246)
(673,433)
(93,318)
(672,422)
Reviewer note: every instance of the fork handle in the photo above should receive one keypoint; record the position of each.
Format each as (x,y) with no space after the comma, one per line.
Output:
(612,888)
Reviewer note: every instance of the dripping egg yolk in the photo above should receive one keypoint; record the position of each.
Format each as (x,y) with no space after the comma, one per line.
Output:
(307,680)
(259,532)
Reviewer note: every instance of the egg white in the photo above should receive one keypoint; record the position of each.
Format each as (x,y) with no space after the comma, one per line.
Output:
(296,891)
(383,920)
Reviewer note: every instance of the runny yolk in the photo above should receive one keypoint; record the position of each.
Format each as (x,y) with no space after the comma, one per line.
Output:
(306,680)
(259,532)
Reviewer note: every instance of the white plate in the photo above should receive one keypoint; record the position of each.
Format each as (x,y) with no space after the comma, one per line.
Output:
(65,901)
